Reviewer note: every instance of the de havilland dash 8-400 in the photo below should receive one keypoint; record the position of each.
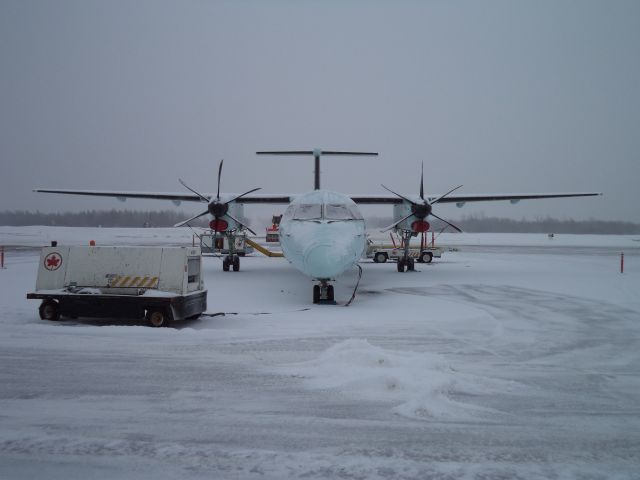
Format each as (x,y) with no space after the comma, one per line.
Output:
(322,232)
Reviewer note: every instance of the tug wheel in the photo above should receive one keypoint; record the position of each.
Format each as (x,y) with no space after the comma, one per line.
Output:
(380,257)
(49,310)
(157,317)
(426,257)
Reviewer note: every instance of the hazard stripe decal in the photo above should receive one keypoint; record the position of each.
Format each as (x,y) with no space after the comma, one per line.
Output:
(137,281)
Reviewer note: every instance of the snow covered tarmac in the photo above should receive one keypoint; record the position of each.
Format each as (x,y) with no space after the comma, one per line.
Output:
(493,362)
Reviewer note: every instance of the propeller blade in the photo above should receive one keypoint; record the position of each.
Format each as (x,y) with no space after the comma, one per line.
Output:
(443,220)
(192,218)
(442,196)
(398,195)
(240,223)
(219,175)
(395,224)
(242,195)
(202,197)
(422,182)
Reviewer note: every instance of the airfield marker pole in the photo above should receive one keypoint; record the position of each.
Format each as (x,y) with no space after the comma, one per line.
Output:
(622,262)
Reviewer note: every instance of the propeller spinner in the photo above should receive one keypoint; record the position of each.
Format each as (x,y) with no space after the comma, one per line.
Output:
(421,210)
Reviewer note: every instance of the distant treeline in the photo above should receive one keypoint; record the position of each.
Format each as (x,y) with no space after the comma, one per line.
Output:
(546,225)
(100,218)
(168,218)
(482,224)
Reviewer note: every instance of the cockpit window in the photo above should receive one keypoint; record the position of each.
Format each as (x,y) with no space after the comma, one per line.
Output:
(334,211)
(308,212)
(355,213)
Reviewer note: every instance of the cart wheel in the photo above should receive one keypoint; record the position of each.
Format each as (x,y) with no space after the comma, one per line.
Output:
(236,263)
(411,266)
(49,310)
(426,257)
(157,317)
(316,293)
(225,264)
(380,257)
(400,265)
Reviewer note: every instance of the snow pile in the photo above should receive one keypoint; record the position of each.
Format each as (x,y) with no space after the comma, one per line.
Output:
(418,384)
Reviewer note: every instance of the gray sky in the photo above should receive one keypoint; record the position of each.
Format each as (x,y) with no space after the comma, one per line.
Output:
(501,96)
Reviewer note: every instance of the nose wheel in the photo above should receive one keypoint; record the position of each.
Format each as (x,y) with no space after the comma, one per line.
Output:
(323,293)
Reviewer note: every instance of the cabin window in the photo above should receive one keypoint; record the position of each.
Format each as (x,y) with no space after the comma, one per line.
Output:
(308,212)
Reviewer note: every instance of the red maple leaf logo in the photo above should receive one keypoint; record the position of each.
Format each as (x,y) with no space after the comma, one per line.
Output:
(53,262)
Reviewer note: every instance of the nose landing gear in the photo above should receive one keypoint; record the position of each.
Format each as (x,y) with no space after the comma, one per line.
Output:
(323,293)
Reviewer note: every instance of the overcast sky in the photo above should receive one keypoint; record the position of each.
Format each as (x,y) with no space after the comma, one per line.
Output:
(501,96)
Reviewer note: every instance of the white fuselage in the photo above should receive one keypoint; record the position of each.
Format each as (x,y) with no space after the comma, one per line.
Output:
(322,234)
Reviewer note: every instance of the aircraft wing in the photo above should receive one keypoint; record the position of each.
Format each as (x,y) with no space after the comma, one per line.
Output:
(174,197)
(286,198)
(462,199)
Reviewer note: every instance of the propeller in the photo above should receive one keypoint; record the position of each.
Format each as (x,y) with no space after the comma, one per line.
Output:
(216,207)
(421,209)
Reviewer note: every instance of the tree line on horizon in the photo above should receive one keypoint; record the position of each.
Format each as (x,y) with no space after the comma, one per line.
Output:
(168,218)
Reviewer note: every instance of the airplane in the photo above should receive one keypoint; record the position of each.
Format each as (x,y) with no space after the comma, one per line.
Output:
(322,232)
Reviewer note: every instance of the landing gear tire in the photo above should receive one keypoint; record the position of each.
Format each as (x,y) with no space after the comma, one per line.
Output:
(411,266)
(380,257)
(225,264)
(236,263)
(330,293)
(400,265)
(426,257)
(157,317)
(49,310)
(316,293)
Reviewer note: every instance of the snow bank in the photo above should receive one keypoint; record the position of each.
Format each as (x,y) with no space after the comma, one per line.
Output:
(419,384)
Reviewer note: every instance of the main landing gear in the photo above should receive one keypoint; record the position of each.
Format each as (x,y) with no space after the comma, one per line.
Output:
(231,261)
(323,293)
(409,263)
(406,261)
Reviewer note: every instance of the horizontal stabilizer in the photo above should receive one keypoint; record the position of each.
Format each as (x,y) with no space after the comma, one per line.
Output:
(314,152)
(317,153)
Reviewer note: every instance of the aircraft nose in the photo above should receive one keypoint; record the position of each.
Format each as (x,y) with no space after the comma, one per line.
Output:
(325,261)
